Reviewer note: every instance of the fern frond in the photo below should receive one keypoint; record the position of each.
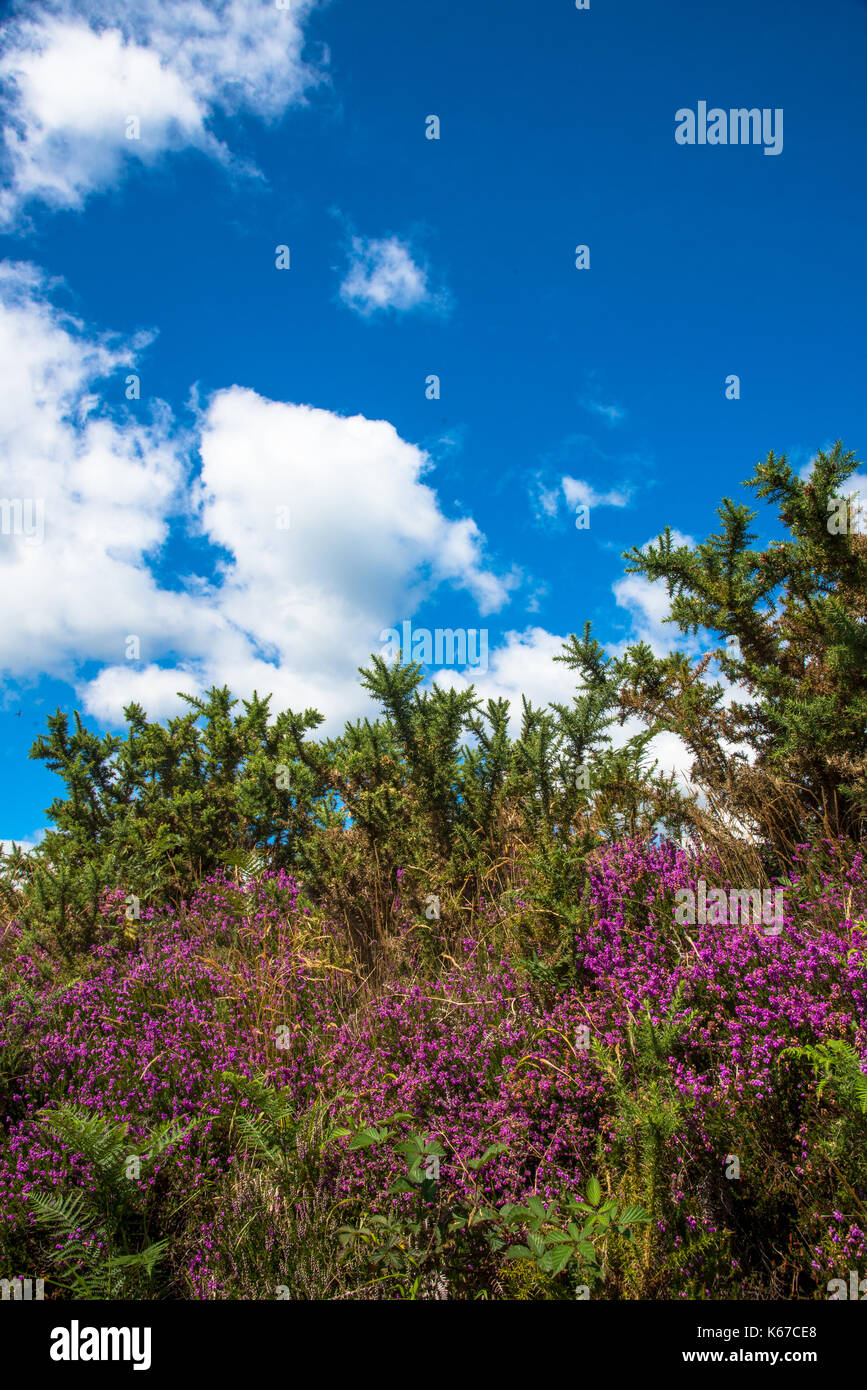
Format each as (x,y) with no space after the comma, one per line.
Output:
(164,1136)
(277,1106)
(64,1214)
(91,1135)
(836,1063)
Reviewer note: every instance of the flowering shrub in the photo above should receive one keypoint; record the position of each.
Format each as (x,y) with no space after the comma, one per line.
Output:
(663,1065)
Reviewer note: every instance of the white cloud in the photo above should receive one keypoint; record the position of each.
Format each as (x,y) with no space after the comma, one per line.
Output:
(75,71)
(107,489)
(613,414)
(25,843)
(671,754)
(382,274)
(522,665)
(582,494)
(547,501)
(577,492)
(294,611)
(648,604)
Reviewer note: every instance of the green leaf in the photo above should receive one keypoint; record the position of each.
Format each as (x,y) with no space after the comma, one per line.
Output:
(632,1216)
(518,1252)
(536,1244)
(476,1163)
(555,1237)
(593,1192)
(559,1257)
(365,1138)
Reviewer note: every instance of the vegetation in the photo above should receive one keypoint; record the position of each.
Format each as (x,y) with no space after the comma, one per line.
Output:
(407,1013)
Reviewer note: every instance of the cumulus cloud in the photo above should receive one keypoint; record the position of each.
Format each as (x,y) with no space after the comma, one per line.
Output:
(105,490)
(382,274)
(75,71)
(320,531)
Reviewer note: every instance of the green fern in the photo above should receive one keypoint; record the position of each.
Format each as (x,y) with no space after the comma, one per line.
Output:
(268,1125)
(275,1133)
(835,1062)
(88,1266)
(249,864)
(94,1231)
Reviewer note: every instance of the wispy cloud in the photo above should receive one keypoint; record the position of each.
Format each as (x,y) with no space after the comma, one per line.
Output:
(579,493)
(613,414)
(383,274)
(550,500)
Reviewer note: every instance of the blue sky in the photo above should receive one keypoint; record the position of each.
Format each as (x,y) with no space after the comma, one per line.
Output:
(306,387)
